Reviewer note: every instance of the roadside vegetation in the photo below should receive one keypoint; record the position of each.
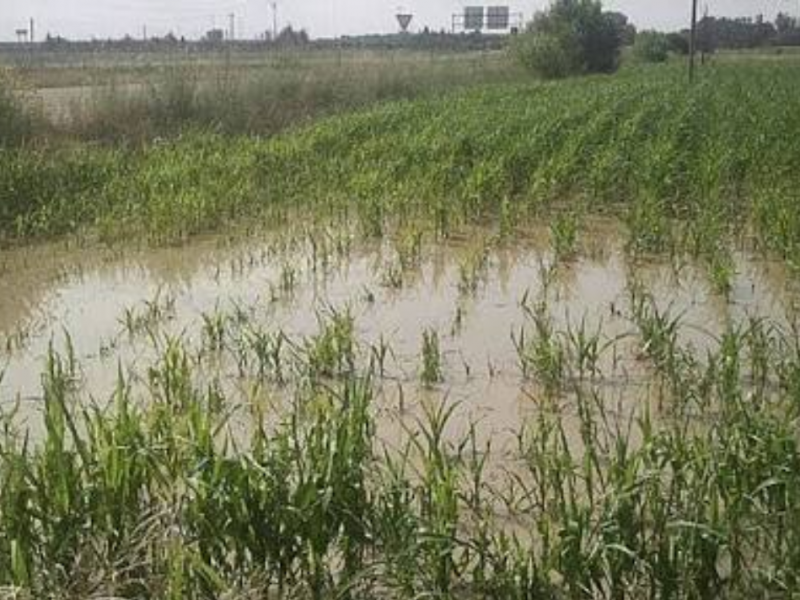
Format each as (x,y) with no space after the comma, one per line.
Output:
(137,104)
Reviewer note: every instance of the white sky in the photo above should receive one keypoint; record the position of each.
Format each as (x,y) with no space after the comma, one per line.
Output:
(322,18)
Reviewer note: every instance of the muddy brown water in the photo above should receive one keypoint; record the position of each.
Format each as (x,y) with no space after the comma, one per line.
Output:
(50,292)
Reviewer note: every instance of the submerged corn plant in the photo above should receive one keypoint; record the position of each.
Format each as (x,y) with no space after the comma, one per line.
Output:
(540,350)
(332,352)
(431,372)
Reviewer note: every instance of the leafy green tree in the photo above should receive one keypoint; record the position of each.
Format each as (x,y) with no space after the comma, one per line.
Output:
(572,37)
(651,47)
(678,42)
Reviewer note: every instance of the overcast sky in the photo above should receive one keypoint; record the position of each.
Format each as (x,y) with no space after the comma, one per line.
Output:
(323,18)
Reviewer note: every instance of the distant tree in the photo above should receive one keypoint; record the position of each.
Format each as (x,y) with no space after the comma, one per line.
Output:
(570,38)
(627,29)
(651,47)
(722,32)
(678,43)
(784,23)
(291,37)
(788,30)
(707,36)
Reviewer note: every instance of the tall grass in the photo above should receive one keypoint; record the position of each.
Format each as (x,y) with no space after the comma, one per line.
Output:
(17,122)
(262,99)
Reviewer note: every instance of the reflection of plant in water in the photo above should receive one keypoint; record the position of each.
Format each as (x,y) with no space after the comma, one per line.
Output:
(564,234)
(392,276)
(150,317)
(473,270)
(378,354)
(288,279)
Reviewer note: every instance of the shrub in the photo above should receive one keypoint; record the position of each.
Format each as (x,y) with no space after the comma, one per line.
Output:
(651,47)
(549,55)
(572,37)
(678,43)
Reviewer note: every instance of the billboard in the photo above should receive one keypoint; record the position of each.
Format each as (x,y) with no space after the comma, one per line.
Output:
(474,18)
(498,17)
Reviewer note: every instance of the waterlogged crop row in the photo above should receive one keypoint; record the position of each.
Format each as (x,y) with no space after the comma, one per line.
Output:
(717,156)
(158,494)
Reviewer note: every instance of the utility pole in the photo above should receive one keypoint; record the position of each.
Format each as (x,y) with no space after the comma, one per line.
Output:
(703,36)
(274,21)
(693,41)
(232,27)
(32,32)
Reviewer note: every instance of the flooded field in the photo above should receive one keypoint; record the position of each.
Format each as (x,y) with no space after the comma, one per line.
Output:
(399,326)
(458,321)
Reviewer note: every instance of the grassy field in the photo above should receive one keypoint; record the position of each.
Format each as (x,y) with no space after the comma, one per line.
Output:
(715,159)
(251,94)
(157,494)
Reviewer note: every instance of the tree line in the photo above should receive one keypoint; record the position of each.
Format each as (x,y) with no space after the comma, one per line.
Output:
(574,37)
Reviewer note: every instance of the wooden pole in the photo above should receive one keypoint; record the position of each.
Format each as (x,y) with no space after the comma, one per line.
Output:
(693,42)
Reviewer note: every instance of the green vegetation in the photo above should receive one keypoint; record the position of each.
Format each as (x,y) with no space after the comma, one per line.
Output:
(16,123)
(258,98)
(431,372)
(160,494)
(682,166)
(244,462)
(651,47)
(572,37)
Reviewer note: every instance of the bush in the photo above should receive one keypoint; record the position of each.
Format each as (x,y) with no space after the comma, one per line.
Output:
(571,38)
(550,56)
(651,47)
(678,43)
